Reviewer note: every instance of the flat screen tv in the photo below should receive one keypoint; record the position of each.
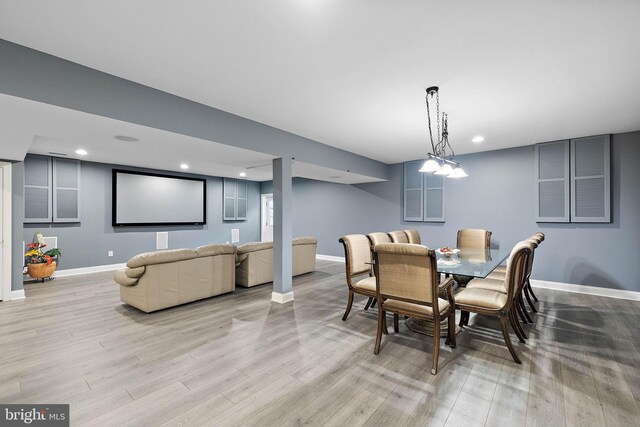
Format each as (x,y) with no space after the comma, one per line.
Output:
(141,198)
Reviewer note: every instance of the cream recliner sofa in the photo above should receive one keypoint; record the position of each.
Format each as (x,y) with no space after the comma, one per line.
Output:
(156,280)
(254,264)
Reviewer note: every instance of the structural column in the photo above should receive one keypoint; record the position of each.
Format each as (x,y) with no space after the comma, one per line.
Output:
(282,231)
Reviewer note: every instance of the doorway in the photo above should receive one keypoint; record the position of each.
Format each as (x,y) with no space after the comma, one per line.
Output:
(266,217)
(5,231)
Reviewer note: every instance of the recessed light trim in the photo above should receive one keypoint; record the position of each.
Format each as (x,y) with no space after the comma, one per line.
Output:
(243,174)
(184,166)
(125,138)
(477,139)
(81,152)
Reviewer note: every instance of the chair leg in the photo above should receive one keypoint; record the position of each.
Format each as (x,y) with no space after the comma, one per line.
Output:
(369,301)
(507,339)
(524,309)
(396,327)
(464,320)
(452,329)
(381,314)
(436,346)
(520,314)
(373,304)
(525,291)
(384,323)
(349,304)
(531,291)
(517,328)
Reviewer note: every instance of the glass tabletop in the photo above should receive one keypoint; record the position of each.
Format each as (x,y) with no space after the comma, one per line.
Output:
(472,262)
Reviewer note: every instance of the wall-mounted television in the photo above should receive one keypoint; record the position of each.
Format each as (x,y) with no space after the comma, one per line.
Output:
(141,198)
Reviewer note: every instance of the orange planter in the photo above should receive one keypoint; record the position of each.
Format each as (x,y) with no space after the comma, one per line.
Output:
(41,270)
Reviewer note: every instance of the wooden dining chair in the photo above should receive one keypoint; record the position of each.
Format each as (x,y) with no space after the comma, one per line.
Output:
(493,303)
(473,238)
(413,236)
(527,290)
(377,238)
(496,281)
(357,257)
(407,284)
(398,236)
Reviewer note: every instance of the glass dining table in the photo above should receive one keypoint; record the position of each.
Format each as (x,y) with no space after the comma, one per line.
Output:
(464,265)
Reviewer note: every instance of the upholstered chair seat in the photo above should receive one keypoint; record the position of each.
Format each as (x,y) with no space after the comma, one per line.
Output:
(481,298)
(365,285)
(492,284)
(415,310)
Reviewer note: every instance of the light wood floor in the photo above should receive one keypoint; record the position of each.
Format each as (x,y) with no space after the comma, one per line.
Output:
(241,360)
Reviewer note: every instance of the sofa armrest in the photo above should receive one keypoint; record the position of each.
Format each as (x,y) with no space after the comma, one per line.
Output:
(134,273)
(122,279)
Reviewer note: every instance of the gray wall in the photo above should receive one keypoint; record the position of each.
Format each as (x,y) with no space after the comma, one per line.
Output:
(86,244)
(498,195)
(17,216)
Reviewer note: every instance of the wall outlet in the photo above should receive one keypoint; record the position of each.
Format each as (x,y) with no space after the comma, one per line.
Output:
(235,235)
(110,253)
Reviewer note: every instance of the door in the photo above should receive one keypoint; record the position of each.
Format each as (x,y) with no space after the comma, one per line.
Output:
(266,209)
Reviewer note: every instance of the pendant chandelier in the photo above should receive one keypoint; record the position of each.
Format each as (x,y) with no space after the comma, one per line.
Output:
(440,160)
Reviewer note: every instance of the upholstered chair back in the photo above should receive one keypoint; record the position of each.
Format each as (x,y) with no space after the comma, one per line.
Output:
(377,238)
(406,272)
(398,236)
(473,238)
(357,254)
(413,235)
(516,266)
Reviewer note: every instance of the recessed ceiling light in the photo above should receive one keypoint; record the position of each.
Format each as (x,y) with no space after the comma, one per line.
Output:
(477,139)
(243,174)
(81,152)
(126,138)
(184,166)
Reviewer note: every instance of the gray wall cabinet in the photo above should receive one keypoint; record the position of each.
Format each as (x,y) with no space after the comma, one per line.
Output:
(235,200)
(573,180)
(423,194)
(51,190)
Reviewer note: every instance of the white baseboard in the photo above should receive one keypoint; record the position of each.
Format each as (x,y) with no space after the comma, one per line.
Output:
(85,270)
(281,298)
(330,258)
(19,294)
(589,290)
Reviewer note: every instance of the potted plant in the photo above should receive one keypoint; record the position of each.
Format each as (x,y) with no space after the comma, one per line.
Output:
(40,264)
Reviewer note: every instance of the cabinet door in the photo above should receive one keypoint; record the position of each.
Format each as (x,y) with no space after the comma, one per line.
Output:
(37,189)
(66,190)
(229,199)
(413,191)
(241,199)
(590,179)
(433,198)
(552,182)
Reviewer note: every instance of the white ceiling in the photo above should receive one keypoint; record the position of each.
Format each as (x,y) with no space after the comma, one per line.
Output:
(352,74)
